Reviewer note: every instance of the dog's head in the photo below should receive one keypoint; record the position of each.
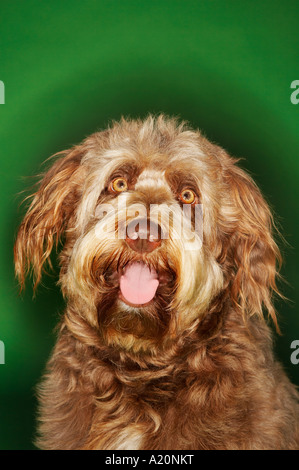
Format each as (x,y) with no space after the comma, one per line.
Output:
(157,226)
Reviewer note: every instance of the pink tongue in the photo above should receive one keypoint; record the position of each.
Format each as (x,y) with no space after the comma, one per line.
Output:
(138,284)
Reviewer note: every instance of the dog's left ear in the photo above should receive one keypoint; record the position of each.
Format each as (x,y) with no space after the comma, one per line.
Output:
(48,215)
(252,257)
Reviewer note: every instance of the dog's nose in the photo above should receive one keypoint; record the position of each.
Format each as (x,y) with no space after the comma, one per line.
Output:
(143,235)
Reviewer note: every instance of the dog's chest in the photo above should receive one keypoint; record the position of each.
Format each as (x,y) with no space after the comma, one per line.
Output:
(129,438)
(116,436)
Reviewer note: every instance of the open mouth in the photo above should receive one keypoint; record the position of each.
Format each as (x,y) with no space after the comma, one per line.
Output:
(138,284)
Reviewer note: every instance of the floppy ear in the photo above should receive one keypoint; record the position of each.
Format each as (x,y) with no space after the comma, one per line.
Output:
(252,256)
(48,214)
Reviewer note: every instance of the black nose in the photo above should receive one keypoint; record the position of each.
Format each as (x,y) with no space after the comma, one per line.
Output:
(143,235)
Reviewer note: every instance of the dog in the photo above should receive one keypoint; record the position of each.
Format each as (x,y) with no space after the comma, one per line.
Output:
(168,266)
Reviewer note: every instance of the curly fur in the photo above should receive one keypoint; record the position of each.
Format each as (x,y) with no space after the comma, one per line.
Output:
(194,369)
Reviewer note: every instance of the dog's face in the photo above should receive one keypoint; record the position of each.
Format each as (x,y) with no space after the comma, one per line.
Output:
(158,225)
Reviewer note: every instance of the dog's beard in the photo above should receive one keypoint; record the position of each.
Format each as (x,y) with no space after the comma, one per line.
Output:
(103,269)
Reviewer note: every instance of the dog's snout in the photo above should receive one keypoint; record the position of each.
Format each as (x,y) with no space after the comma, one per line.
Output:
(143,235)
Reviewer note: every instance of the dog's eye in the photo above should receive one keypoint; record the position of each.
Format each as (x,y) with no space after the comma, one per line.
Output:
(187,196)
(118,185)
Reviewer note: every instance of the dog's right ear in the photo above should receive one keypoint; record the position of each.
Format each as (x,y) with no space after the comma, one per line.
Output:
(48,214)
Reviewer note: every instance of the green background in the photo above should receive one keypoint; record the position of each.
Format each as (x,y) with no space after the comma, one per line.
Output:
(69,67)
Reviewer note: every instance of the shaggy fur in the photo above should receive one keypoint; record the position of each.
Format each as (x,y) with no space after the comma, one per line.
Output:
(193,368)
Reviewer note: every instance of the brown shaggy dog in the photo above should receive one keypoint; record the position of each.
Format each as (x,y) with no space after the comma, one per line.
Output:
(163,344)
